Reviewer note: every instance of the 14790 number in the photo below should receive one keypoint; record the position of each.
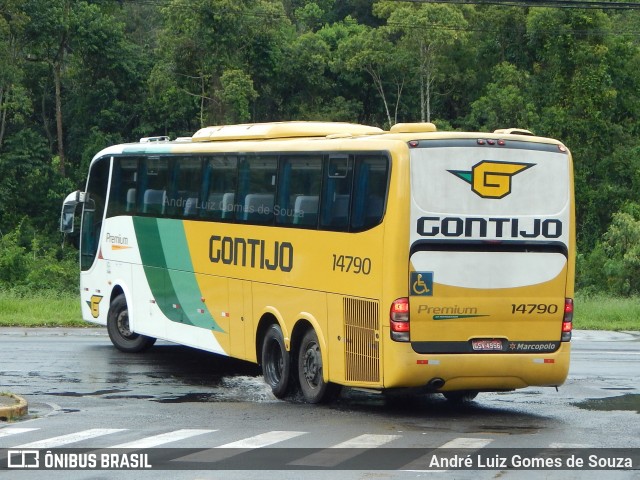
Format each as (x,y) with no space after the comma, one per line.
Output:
(348,263)
(534,308)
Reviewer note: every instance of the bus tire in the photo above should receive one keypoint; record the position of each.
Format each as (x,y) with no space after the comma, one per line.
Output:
(460,396)
(118,328)
(276,363)
(310,370)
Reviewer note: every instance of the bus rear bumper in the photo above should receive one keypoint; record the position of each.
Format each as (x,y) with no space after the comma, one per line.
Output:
(483,372)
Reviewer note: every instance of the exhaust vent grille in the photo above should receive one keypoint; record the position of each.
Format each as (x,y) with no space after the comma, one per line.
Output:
(362,340)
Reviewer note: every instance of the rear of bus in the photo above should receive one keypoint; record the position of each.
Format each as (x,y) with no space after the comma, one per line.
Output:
(491,263)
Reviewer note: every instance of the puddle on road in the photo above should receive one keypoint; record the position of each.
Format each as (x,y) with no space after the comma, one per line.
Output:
(627,402)
(188,398)
(225,389)
(86,394)
(232,389)
(508,429)
(129,397)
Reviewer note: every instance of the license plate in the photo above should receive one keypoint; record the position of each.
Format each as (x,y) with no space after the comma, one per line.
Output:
(486,344)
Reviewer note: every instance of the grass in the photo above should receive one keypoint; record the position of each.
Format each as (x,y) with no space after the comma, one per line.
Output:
(54,310)
(606,313)
(40,310)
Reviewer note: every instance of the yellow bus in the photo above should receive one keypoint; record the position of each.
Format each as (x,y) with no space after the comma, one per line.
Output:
(337,254)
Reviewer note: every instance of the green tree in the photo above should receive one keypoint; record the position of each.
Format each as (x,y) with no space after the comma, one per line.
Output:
(202,40)
(49,32)
(506,101)
(573,88)
(306,93)
(267,57)
(14,262)
(106,83)
(13,101)
(237,93)
(619,253)
(370,50)
(311,15)
(427,32)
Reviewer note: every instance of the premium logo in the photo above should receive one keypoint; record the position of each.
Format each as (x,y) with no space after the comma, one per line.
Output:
(491,179)
(118,242)
(450,312)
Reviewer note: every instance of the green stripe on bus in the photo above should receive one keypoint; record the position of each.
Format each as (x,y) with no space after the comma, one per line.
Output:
(152,257)
(183,281)
(169,271)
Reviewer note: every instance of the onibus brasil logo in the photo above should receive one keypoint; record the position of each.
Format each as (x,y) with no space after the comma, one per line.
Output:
(491,179)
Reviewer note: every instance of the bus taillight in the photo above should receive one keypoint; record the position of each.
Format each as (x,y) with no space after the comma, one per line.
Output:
(567,321)
(399,319)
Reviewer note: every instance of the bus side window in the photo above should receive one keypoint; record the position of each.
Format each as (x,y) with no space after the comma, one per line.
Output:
(185,187)
(152,185)
(220,179)
(369,191)
(336,194)
(299,190)
(254,202)
(122,197)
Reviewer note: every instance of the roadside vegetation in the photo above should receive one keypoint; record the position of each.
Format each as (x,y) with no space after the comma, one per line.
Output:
(599,312)
(40,310)
(38,280)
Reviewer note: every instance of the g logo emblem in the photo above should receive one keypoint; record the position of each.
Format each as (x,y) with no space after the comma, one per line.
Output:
(491,179)
(94,305)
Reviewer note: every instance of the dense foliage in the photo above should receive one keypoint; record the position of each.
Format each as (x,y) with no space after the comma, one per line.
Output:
(78,75)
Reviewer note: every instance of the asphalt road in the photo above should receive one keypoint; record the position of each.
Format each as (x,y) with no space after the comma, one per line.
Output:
(83,393)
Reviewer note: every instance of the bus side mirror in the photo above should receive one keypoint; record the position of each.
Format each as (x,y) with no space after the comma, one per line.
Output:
(68,214)
(66,219)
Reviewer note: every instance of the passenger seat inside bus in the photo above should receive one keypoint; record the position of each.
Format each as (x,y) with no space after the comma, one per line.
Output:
(228,204)
(258,207)
(305,210)
(375,208)
(131,199)
(190,207)
(154,201)
(340,211)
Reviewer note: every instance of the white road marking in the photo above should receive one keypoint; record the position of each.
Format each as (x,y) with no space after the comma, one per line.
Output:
(422,464)
(155,440)
(71,438)
(331,457)
(5,432)
(263,440)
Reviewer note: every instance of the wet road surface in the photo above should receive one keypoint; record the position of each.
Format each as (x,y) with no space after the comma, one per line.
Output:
(76,382)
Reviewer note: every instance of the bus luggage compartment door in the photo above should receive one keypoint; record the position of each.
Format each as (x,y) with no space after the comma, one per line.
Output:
(487,301)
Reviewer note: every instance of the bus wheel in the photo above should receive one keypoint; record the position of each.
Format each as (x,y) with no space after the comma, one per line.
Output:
(313,386)
(119,332)
(276,364)
(461,396)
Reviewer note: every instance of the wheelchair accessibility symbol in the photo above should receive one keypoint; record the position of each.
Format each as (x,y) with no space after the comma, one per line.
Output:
(422,284)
